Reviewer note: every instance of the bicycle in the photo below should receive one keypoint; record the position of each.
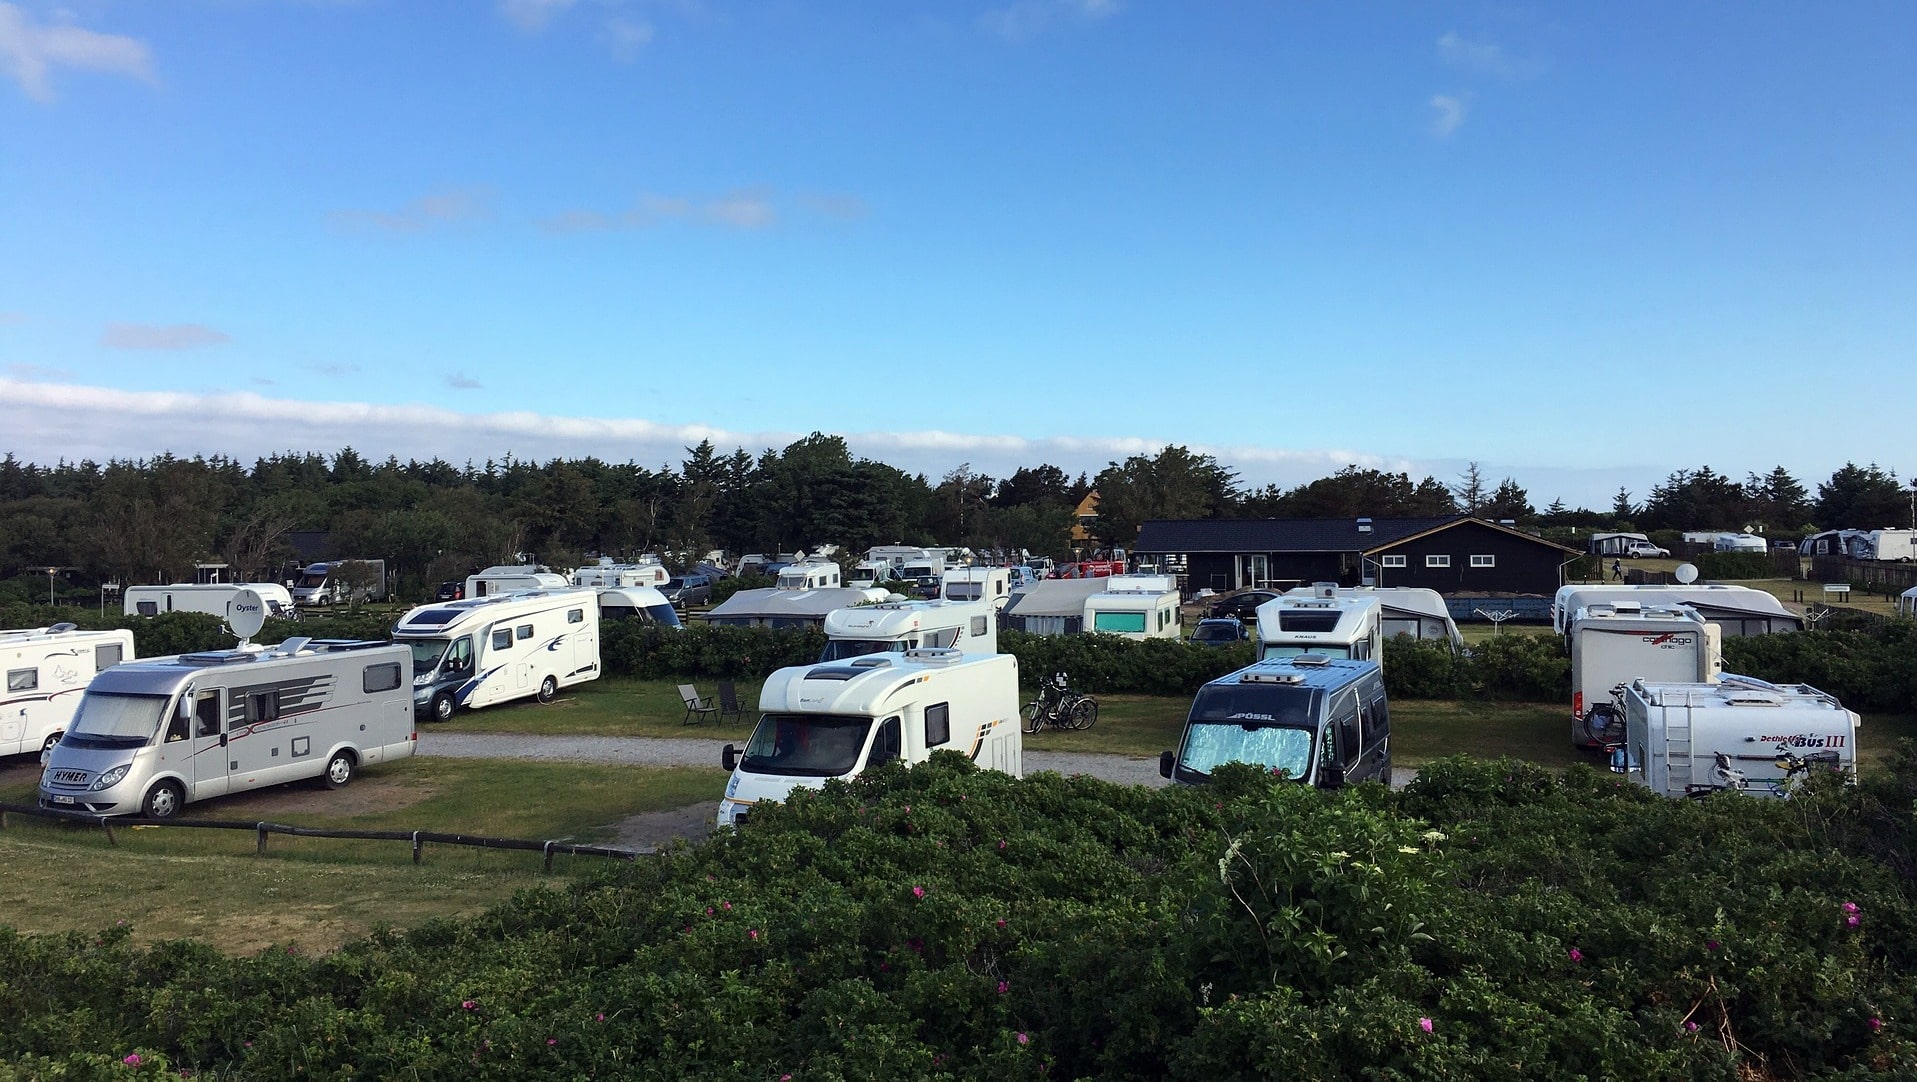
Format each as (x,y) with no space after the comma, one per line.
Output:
(1060,707)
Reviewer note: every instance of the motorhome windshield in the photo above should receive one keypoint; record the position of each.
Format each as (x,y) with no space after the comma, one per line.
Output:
(116,721)
(310,581)
(845,649)
(918,571)
(806,745)
(426,654)
(1290,649)
(1273,747)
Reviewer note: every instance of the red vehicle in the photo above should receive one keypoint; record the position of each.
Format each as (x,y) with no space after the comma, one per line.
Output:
(1101,565)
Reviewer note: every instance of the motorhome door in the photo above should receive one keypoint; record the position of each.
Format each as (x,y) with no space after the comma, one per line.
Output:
(212,767)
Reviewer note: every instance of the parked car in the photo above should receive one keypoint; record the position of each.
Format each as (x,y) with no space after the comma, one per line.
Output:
(1635,549)
(688,589)
(1220,631)
(1243,605)
(450,591)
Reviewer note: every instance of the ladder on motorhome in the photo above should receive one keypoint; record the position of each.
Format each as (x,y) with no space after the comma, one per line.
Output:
(1678,762)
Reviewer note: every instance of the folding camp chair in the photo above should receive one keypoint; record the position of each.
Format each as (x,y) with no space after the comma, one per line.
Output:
(729,701)
(698,707)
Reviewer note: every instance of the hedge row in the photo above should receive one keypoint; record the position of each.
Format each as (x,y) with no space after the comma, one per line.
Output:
(1492,921)
(1872,669)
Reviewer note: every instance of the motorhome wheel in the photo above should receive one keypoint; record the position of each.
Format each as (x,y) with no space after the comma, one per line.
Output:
(339,770)
(163,801)
(443,706)
(52,739)
(547,689)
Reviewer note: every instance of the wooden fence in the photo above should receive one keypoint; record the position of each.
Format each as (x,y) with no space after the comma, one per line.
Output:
(1866,576)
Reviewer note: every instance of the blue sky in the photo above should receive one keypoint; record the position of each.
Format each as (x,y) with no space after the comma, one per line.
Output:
(1581,247)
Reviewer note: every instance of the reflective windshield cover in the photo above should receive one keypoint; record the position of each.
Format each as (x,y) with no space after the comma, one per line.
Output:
(1265,725)
(806,745)
(116,721)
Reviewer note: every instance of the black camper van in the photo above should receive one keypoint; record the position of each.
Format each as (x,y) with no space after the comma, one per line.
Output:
(1322,721)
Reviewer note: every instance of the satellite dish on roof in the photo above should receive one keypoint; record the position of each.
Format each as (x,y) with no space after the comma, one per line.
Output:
(245,613)
(1686,573)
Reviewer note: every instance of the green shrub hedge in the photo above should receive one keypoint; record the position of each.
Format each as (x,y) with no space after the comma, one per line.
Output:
(1872,669)
(1492,921)
(1724,566)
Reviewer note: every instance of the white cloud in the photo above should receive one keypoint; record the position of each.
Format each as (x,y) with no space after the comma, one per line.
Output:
(333,369)
(33,372)
(532,16)
(627,38)
(30,51)
(1448,114)
(1484,57)
(745,208)
(1028,18)
(439,208)
(150,336)
(460,381)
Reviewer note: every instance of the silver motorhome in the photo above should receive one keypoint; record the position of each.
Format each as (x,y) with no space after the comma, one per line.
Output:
(1320,720)
(46,669)
(154,735)
(486,650)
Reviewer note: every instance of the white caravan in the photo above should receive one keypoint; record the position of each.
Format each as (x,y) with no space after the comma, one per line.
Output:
(1322,622)
(867,574)
(203,597)
(642,603)
(1614,645)
(512,579)
(647,572)
(810,575)
(1135,607)
(897,627)
(489,650)
(1736,611)
(991,584)
(154,735)
(820,722)
(1739,734)
(1899,545)
(340,581)
(47,668)
(1402,610)
(1739,542)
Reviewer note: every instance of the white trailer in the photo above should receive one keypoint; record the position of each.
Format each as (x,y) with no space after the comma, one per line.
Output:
(47,669)
(1613,646)
(1738,734)
(606,573)
(810,575)
(898,627)
(645,604)
(990,584)
(868,573)
(513,579)
(1735,610)
(203,597)
(1135,607)
(1739,542)
(489,650)
(820,722)
(1322,622)
(1402,610)
(1898,545)
(340,581)
(154,735)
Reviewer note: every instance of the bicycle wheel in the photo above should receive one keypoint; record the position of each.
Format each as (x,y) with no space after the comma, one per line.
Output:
(1084,713)
(1034,716)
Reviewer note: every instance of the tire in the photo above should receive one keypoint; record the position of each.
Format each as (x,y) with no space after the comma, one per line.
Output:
(548,688)
(52,739)
(339,770)
(443,706)
(164,801)
(1033,715)
(1084,713)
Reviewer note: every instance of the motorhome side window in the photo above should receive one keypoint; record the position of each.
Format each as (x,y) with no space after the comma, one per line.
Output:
(206,714)
(575,616)
(23,679)
(176,728)
(379,678)
(524,631)
(885,746)
(503,639)
(938,724)
(106,656)
(147,608)
(1377,721)
(1347,726)
(263,706)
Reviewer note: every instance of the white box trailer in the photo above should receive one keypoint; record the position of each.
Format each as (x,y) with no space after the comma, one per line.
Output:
(513,579)
(898,627)
(1135,607)
(1738,734)
(209,597)
(1898,545)
(47,669)
(1322,622)
(1613,646)
(154,735)
(820,722)
(488,650)
(606,573)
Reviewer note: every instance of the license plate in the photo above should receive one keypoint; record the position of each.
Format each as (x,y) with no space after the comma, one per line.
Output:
(63,800)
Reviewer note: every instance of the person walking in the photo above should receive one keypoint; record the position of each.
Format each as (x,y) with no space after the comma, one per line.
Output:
(1617,570)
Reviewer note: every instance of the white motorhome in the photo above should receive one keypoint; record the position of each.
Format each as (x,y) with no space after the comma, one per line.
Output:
(489,650)
(154,735)
(1135,607)
(1617,644)
(47,669)
(1739,542)
(1735,610)
(810,575)
(1899,545)
(1402,610)
(897,627)
(867,574)
(820,722)
(647,572)
(643,603)
(991,584)
(1738,734)
(339,581)
(203,597)
(1322,622)
(513,579)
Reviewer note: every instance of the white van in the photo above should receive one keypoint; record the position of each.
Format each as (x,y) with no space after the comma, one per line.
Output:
(1322,622)
(810,575)
(152,736)
(898,627)
(606,573)
(1739,734)
(1615,645)
(832,721)
(992,584)
(1135,607)
(203,597)
(487,650)
(512,579)
(47,668)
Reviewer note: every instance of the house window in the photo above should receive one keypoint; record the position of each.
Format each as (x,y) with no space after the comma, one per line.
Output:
(1484,561)
(1391,561)
(1438,560)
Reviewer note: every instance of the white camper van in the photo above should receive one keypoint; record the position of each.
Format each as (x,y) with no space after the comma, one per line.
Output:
(1402,610)
(810,575)
(1135,607)
(643,603)
(512,579)
(606,573)
(203,597)
(154,735)
(1740,734)
(1322,623)
(488,650)
(1615,645)
(832,721)
(335,582)
(1734,610)
(47,668)
(897,627)
(990,584)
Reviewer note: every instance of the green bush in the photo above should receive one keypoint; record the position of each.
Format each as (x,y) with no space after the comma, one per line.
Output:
(1111,664)
(650,652)
(1723,566)
(1866,670)
(1532,668)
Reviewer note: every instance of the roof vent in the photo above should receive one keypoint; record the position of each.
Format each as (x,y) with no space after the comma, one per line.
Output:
(1364,525)
(1312,661)
(62,627)
(1325,590)
(295,644)
(1508,522)
(1256,677)
(935,656)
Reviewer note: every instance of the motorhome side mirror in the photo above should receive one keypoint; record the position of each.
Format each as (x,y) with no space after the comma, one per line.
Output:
(1619,763)
(1330,775)
(1165,761)
(185,708)
(729,758)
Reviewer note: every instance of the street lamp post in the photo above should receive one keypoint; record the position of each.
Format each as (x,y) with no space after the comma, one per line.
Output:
(51,571)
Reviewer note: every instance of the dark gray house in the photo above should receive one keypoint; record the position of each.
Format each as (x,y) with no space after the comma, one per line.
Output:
(1453,555)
